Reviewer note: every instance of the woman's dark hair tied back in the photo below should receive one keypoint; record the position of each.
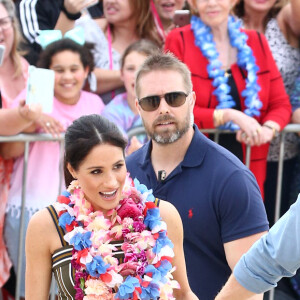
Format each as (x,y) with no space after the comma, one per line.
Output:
(83,135)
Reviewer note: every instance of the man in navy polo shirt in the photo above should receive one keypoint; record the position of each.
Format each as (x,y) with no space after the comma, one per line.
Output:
(216,195)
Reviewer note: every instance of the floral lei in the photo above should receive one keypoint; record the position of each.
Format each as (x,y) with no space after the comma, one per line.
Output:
(245,59)
(146,270)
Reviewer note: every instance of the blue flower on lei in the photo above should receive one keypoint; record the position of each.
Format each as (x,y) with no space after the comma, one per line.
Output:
(97,266)
(66,194)
(127,288)
(152,218)
(245,59)
(65,219)
(81,240)
(156,274)
(164,268)
(151,291)
(162,241)
(143,189)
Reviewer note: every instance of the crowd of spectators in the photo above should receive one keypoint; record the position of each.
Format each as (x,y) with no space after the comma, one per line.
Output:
(246,78)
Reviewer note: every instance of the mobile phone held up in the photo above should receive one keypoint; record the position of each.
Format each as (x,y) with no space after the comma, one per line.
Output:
(40,88)
(2,50)
(181,18)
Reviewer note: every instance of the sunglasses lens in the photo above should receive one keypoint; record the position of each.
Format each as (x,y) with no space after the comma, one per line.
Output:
(175,99)
(149,103)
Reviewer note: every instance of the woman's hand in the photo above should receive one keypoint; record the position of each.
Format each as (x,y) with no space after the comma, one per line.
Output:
(50,125)
(251,132)
(30,113)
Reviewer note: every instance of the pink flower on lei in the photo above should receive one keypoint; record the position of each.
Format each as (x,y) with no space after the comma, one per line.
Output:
(128,268)
(129,209)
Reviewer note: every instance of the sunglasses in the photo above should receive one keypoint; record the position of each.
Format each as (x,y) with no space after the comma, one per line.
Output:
(174,99)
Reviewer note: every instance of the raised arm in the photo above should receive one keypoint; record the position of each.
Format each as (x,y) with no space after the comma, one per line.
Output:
(175,232)
(107,80)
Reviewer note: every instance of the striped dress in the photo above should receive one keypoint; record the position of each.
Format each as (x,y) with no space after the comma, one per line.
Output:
(62,269)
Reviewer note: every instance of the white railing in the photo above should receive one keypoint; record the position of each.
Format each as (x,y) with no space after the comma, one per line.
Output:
(28,138)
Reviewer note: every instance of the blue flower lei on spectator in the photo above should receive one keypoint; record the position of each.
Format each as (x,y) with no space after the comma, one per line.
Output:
(245,59)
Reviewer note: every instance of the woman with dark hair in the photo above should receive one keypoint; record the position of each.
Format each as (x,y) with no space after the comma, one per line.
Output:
(105,234)
(125,22)
(71,64)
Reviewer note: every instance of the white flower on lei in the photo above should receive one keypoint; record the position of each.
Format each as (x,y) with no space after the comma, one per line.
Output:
(99,223)
(159,227)
(70,234)
(63,206)
(117,279)
(165,251)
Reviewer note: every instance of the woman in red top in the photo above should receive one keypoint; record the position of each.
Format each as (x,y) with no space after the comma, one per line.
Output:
(236,81)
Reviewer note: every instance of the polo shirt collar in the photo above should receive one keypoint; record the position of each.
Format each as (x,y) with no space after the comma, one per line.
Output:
(193,157)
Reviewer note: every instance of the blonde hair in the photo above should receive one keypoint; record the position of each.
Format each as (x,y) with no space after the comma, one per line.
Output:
(14,53)
(145,26)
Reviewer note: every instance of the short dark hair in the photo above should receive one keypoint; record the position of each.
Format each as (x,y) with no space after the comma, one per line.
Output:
(66,44)
(83,135)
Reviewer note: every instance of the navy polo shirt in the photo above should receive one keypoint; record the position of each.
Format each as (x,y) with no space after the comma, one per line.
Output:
(218,200)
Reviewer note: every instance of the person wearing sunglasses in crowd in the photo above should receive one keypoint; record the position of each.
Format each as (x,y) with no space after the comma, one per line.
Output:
(236,80)
(217,197)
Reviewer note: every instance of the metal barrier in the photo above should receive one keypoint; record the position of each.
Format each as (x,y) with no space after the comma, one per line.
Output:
(28,138)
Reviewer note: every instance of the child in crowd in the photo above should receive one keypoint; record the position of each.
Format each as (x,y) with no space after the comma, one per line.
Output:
(122,110)
(71,63)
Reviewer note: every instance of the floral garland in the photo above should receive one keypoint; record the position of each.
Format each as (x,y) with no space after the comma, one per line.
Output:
(245,59)
(146,270)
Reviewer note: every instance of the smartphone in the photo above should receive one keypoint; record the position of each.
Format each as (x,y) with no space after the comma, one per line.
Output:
(40,88)
(2,50)
(181,17)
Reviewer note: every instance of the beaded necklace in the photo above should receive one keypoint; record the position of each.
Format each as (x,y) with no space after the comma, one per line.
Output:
(146,270)
(245,59)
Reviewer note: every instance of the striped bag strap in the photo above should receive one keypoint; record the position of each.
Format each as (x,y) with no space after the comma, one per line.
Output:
(156,202)
(59,229)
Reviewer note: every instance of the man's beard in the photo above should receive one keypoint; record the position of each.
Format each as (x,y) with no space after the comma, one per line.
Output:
(169,136)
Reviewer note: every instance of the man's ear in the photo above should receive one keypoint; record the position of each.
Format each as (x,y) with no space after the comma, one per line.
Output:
(136,102)
(72,171)
(193,99)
